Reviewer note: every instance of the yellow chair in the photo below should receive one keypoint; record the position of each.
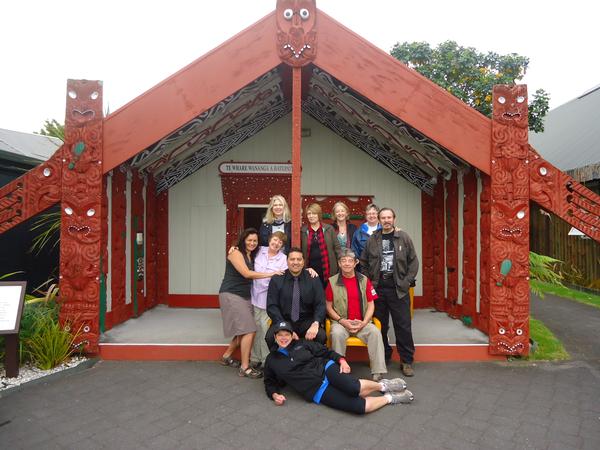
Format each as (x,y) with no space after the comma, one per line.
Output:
(353,341)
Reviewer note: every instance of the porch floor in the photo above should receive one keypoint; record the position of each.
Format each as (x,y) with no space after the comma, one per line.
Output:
(191,326)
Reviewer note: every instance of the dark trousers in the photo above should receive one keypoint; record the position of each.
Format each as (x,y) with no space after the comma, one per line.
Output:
(300,328)
(343,391)
(389,303)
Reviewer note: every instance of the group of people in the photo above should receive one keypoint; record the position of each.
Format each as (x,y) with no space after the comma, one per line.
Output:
(274,300)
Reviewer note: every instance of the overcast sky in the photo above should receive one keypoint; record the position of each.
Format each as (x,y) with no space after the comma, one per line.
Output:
(133,45)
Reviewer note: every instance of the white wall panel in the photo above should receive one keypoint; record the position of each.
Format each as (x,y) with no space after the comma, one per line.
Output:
(330,166)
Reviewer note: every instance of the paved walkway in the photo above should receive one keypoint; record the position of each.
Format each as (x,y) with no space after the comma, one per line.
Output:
(170,405)
(577,325)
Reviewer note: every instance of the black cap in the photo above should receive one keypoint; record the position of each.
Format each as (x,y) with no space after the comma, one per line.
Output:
(283,325)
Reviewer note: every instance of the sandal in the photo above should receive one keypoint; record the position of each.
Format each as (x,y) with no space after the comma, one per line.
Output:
(229,361)
(249,372)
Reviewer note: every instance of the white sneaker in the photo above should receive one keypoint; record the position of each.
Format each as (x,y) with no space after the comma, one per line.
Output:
(393,385)
(401,397)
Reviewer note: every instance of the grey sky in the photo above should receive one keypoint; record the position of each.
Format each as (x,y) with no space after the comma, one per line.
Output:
(133,45)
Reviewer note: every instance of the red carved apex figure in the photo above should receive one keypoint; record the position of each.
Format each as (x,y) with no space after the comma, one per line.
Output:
(509,223)
(84,102)
(296,31)
(82,215)
(510,105)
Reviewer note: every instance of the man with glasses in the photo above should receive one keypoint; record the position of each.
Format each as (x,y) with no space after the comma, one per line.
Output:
(350,305)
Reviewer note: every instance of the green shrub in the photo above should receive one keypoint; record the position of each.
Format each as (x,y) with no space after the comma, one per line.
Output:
(50,344)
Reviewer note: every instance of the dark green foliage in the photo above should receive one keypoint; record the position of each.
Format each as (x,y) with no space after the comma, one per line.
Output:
(53,128)
(470,75)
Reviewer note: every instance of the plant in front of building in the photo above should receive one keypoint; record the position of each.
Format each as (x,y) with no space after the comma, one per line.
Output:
(51,344)
(543,269)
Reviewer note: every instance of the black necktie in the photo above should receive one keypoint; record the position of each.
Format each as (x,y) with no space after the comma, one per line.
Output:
(295,301)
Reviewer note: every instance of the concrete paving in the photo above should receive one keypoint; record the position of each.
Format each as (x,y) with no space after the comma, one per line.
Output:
(202,405)
(187,405)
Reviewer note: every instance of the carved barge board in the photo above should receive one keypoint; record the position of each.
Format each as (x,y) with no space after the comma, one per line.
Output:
(557,192)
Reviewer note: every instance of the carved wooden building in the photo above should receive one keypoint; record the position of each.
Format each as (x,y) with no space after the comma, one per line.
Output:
(152,194)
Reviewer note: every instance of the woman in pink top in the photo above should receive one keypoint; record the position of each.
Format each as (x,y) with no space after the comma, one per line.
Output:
(269,258)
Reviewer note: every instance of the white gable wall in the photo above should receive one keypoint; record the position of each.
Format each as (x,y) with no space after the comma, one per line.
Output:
(331,166)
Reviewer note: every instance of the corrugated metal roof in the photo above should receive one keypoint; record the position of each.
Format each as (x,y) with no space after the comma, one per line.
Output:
(571,138)
(27,147)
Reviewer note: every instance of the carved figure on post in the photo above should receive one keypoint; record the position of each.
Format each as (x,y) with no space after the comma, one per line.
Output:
(509,223)
(81,212)
(296,31)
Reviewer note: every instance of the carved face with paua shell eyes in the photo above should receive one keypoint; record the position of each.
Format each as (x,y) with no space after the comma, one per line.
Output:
(296,33)
(510,105)
(510,222)
(84,101)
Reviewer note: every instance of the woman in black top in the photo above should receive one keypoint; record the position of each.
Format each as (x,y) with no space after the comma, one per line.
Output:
(234,299)
(321,375)
(277,218)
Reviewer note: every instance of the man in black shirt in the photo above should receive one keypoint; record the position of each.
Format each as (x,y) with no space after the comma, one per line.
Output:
(298,298)
(390,262)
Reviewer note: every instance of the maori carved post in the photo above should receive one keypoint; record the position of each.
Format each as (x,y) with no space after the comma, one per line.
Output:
(451,305)
(296,31)
(81,219)
(509,237)
(483,319)
(162,247)
(151,241)
(555,191)
(138,259)
(427,232)
(439,258)
(469,280)
(118,232)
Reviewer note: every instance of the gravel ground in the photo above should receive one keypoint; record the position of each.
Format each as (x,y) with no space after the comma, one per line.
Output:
(29,373)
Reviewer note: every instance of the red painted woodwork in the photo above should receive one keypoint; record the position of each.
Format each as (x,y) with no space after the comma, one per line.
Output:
(451,305)
(439,257)
(403,92)
(427,239)
(249,189)
(189,92)
(193,301)
(469,262)
(509,237)
(296,154)
(119,312)
(81,215)
(151,243)
(104,269)
(137,251)
(32,192)
(174,352)
(162,247)
(296,31)
(483,318)
(557,192)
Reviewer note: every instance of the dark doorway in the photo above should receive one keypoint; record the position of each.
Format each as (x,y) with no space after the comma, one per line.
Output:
(253,216)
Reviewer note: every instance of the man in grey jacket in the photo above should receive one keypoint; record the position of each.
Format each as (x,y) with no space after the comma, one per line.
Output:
(390,262)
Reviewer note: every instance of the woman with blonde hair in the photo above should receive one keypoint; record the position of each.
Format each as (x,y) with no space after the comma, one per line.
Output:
(320,245)
(277,218)
(342,225)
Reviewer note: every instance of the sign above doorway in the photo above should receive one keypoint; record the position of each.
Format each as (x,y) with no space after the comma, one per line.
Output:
(255,168)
